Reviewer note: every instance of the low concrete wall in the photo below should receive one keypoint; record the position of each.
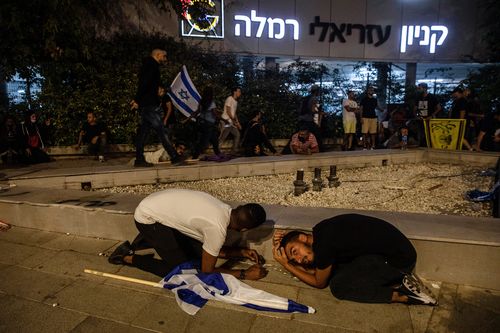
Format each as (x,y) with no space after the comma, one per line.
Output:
(60,152)
(470,262)
(103,176)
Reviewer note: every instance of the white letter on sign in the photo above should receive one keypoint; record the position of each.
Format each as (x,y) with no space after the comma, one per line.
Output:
(429,38)
(271,23)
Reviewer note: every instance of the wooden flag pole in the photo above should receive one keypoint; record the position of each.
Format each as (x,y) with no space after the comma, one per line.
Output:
(123,278)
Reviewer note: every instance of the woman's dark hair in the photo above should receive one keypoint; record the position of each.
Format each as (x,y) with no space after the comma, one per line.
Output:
(207,97)
(255,114)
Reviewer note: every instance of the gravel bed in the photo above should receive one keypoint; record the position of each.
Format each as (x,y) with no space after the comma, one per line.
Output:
(423,188)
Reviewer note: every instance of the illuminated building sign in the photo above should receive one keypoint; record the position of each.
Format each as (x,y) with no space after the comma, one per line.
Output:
(425,35)
(377,31)
(203,18)
(276,27)
(342,30)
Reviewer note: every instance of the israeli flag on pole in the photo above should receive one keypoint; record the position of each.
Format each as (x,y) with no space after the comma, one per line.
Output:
(193,289)
(183,93)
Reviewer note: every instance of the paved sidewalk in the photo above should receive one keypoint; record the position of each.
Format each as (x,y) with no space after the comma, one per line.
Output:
(43,289)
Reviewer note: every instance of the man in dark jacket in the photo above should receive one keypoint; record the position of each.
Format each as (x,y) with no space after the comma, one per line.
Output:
(147,101)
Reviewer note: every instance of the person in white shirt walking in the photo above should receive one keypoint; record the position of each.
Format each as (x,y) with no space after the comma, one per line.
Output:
(230,122)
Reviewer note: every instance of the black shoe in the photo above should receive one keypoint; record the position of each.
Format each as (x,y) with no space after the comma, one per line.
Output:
(178,160)
(142,164)
(116,258)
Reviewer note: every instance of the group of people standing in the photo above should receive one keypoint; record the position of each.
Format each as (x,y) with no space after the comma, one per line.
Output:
(404,126)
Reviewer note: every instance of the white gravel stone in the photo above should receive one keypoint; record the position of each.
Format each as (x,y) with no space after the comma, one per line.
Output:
(420,188)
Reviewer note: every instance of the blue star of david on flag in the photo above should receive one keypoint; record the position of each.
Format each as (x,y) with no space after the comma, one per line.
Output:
(183,93)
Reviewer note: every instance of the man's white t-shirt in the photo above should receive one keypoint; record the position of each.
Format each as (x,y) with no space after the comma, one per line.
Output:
(349,115)
(232,104)
(195,214)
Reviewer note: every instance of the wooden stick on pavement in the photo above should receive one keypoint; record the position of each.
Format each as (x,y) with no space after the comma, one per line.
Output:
(123,278)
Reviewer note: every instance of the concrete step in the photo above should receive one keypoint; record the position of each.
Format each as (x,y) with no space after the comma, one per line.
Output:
(99,175)
(455,249)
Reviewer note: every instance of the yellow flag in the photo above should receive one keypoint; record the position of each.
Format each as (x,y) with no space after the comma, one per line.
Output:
(445,133)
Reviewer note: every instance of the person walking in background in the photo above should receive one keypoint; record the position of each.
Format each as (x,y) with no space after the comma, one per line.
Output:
(147,102)
(168,109)
(369,119)
(207,118)
(94,135)
(349,109)
(230,122)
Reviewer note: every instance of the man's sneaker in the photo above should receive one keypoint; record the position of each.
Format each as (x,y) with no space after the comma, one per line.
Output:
(116,257)
(416,291)
(142,164)
(101,159)
(423,287)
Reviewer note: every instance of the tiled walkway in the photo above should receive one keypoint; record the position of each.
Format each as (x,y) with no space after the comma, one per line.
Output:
(43,289)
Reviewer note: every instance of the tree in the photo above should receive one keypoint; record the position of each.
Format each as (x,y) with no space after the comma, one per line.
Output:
(486,84)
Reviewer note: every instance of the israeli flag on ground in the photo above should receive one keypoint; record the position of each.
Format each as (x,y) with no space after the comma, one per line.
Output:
(481,196)
(183,93)
(193,289)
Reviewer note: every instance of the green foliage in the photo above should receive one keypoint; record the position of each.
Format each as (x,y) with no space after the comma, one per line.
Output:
(491,23)
(268,91)
(486,84)
(106,80)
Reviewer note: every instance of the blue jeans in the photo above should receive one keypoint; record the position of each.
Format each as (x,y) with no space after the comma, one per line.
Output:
(151,119)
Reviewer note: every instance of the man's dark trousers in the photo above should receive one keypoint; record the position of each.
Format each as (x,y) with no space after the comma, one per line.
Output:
(172,246)
(368,279)
(151,118)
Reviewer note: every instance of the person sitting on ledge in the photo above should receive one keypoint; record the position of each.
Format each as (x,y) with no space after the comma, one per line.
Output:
(33,132)
(362,259)
(304,142)
(255,137)
(93,133)
(184,225)
(402,140)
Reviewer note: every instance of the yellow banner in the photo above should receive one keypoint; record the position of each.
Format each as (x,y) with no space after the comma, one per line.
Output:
(445,133)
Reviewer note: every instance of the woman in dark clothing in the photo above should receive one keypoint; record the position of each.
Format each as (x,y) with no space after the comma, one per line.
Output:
(11,141)
(34,147)
(207,118)
(255,138)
